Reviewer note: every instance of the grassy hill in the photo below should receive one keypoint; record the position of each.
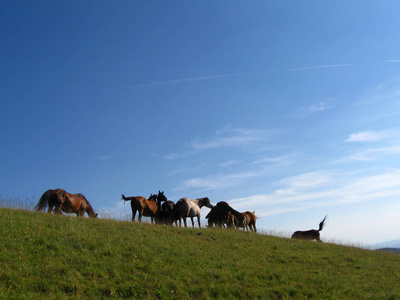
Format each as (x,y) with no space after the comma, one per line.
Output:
(58,257)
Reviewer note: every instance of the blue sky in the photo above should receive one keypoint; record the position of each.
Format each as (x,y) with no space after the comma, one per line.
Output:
(286,108)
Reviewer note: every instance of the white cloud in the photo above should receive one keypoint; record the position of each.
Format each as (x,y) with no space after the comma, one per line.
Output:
(214,182)
(307,180)
(278,160)
(227,137)
(232,137)
(319,107)
(368,136)
(318,189)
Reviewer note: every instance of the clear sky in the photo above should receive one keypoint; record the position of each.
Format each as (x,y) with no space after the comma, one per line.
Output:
(290,109)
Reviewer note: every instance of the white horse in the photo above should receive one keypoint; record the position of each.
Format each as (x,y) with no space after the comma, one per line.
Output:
(191,208)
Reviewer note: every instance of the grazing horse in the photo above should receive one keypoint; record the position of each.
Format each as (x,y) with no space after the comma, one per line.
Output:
(60,200)
(147,208)
(219,214)
(191,208)
(312,234)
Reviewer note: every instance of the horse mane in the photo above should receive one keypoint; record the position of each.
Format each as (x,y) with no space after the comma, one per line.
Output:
(87,201)
(153,197)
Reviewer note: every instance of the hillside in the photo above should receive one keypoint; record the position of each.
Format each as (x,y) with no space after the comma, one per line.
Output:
(55,257)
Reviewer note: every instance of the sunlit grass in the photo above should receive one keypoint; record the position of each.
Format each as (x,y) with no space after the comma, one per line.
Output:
(55,257)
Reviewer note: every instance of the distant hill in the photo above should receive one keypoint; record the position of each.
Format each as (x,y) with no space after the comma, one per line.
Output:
(388,244)
(391,250)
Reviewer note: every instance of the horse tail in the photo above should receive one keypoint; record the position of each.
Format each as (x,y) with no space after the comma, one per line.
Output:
(126,198)
(43,201)
(321,225)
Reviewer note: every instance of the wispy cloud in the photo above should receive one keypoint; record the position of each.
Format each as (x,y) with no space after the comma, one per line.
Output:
(190,79)
(307,111)
(214,182)
(393,61)
(225,138)
(307,180)
(278,160)
(369,136)
(373,154)
(310,191)
(319,107)
(321,67)
(231,137)
(229,163)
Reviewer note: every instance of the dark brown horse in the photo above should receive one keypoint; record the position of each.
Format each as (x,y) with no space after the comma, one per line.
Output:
(60,200)
(312,234)
(147,208)
(219,214)
(167,214)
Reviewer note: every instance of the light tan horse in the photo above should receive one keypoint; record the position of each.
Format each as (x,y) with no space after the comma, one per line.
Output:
(188,208)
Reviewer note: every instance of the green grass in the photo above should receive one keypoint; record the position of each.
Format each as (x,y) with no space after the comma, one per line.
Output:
(61,257)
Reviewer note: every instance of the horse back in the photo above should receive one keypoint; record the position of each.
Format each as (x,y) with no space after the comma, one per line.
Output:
(307,235)
(74,202)
(184,205)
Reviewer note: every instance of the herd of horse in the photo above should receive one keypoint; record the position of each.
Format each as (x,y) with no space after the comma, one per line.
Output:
(163,211)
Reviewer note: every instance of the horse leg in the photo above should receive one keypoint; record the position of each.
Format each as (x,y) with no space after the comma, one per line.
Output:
(192,221)
(57,209)
(140,215)
(184,221)
(198,221)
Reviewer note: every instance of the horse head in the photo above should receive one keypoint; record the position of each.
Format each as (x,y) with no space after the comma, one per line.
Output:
(206,202)
(161,197)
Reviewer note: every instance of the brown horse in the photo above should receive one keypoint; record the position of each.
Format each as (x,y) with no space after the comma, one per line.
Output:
(60,200)
(251,220)
(167,213)
(312,234)
(220,214)
(147,208)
